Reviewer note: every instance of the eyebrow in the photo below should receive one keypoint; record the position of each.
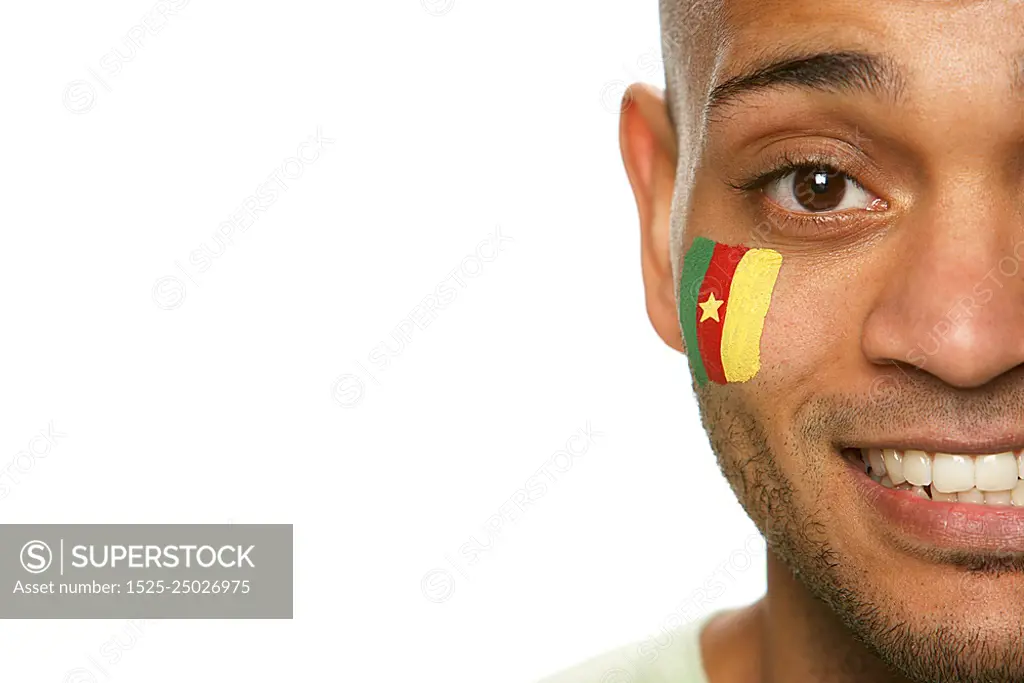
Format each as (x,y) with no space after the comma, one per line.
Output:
(833,72)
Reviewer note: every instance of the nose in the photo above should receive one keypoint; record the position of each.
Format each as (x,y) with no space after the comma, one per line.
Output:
(952,297)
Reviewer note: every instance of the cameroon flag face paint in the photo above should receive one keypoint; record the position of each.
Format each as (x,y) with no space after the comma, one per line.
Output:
(724,294)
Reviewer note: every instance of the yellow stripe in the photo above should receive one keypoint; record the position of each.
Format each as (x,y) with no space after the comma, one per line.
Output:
(749,296)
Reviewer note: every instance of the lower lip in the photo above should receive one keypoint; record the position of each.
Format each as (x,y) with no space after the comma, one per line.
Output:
(955,526)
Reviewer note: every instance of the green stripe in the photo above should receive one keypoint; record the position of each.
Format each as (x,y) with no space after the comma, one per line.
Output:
(695,267)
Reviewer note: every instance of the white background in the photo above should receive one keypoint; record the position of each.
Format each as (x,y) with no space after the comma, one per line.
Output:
(257,391)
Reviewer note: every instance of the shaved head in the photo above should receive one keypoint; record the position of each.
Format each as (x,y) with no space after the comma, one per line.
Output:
(690,30)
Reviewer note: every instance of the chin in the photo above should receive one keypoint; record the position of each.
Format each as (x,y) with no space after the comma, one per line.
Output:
(929,581)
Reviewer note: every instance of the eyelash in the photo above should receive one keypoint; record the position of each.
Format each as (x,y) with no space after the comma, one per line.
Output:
(784,164)
(799,225)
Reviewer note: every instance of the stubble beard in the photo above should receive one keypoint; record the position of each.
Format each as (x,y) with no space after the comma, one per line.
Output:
(923,648)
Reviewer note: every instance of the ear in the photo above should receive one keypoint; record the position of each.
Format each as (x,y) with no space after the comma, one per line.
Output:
(649,153)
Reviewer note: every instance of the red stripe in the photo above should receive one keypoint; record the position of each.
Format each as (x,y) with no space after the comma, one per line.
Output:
(718,280)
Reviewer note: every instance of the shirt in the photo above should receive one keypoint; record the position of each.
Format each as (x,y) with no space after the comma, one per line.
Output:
(671,657)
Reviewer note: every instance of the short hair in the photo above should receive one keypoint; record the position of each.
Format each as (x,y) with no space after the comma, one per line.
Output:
(688,28)
(691,31)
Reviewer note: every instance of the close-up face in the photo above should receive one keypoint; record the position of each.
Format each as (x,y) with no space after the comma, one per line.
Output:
(864,391)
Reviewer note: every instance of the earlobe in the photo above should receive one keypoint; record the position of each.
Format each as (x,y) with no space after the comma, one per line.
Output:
(649,152)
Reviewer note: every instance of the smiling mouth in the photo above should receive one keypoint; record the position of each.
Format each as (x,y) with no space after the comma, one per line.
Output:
(995,479)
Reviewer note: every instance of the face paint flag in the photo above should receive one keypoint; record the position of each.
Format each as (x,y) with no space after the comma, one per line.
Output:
(724,294)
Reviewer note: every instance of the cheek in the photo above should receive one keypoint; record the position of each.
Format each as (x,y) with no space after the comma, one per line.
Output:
(811,332)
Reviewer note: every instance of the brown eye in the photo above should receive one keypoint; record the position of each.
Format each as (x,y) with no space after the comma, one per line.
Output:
(811,189)
(819,189)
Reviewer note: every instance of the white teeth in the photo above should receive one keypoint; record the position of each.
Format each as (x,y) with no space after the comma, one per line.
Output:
(917,468)
(952,473)
(1017,495)
(894,465)
(996,479)
(995,472)
(998,497)
(876,461)
(971,496)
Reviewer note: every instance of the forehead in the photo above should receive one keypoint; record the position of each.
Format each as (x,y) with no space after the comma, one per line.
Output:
(938,80)
(956,43)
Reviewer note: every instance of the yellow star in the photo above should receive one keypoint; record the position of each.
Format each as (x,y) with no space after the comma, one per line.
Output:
(710,308)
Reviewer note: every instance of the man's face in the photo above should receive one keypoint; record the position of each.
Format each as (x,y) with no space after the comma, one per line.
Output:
(891,179)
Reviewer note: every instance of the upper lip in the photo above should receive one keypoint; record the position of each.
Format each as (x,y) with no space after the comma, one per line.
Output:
(982,445)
